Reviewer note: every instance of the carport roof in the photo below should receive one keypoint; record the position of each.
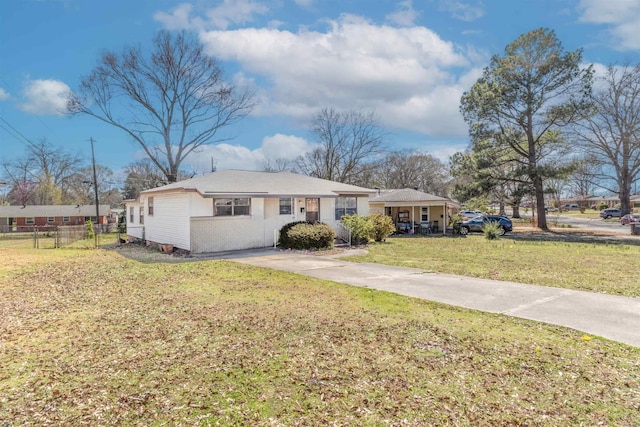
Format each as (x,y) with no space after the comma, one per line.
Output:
(408,195)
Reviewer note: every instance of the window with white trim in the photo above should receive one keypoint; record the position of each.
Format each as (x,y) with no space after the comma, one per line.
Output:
(30,220)
(150,206)
(346,205)
(231,207)
(424,214)
(131,215)
(141,214)
(51,219)
(66,219)
(286,206)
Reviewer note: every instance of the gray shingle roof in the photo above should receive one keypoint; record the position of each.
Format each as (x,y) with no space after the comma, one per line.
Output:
(260,184)
(406,195)
(33,211)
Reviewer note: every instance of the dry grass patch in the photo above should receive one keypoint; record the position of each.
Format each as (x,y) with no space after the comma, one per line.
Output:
(90,337)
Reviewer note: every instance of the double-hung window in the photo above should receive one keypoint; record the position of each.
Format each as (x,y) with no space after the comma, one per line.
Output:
(346,205)
(131,215)
(141,214)
(286,206)
(231,207)
(150,206)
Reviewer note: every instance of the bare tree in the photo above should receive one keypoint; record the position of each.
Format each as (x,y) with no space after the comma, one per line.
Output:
(411,170)
(39,177)
(141,175)
(346,142)
(278,165)
(78,188)
(611,135)
(170,102)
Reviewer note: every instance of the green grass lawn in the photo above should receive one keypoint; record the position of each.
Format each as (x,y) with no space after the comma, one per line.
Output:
(89,337)
(612,268)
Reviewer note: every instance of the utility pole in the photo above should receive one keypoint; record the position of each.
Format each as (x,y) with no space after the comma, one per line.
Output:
(95,189)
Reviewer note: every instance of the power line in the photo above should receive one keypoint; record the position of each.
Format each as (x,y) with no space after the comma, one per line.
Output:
(28,141)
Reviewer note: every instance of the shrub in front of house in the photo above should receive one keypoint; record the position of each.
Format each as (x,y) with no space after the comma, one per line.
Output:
(360,226)
(382,226)
(305,235)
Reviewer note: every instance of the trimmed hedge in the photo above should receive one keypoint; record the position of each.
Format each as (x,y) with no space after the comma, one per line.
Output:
(306,235)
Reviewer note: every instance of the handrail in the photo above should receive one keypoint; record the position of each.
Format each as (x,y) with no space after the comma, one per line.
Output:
(343,232)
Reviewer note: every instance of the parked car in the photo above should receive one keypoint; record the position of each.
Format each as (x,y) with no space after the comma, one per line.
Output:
(469,214)
(571,207)
(478,223)
(629,219)
(610,213)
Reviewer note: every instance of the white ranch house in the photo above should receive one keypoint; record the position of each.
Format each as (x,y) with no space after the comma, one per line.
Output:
(234,209)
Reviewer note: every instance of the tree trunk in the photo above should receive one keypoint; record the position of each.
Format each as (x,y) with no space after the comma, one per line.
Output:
(625,195)
(516,210)
(539,189)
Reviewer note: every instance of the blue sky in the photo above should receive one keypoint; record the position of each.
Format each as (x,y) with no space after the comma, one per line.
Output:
(408,61)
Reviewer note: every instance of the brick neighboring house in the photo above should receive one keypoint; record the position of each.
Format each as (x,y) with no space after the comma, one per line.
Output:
(21,218)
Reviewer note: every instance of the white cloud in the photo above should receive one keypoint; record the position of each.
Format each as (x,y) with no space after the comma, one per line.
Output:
(227,13)
(406,75)
(178,19)
(228,156)
(45,97)
(464,11)
(623,16)
(405,16)
(235,12)
(4,94)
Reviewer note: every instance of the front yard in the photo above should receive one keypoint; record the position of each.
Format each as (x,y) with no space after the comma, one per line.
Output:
(89,337)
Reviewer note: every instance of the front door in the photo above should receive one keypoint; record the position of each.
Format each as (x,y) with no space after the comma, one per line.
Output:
(312,207)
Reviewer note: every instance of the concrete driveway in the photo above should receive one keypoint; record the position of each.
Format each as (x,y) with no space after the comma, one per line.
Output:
(613,317)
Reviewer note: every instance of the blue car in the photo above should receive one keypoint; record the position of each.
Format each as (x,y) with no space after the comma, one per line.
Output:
(478,223)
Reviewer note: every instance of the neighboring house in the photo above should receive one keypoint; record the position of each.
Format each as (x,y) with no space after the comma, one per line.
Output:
(20,218)
(412,209)
(234,209)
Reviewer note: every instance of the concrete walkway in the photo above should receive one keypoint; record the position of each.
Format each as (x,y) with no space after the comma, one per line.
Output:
(613,317)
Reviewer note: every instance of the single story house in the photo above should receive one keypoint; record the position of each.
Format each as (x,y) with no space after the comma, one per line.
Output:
(235,209)
(413,210)
(21,218)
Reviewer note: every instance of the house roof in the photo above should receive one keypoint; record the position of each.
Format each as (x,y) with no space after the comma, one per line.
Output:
(238,183)
(33,211)
(407,195)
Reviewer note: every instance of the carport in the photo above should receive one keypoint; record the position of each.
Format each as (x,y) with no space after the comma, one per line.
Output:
(414,211)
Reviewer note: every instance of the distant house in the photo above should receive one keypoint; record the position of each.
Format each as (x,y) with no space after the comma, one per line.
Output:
(413,210)
(234,209)
(20,218)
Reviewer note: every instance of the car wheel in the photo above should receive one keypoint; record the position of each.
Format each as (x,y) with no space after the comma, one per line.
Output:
(607,217)
(464,231)
(502,231)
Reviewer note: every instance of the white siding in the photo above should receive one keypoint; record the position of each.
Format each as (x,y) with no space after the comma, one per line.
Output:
(218,234)
(363,206)
(170,220)
(134,229)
